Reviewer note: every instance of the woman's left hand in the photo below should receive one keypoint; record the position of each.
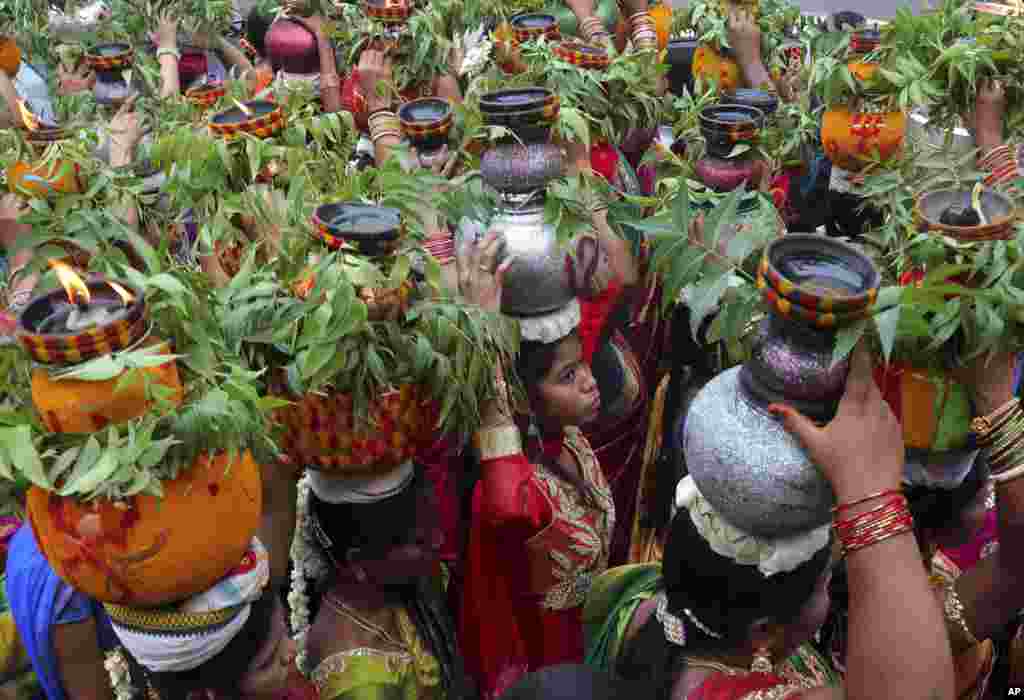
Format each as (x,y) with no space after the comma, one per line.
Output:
(167,31)
(989,379)
(744,37)
(125,133)
(480,276)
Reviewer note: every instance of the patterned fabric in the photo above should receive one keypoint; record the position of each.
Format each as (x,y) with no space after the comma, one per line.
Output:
(1006,165)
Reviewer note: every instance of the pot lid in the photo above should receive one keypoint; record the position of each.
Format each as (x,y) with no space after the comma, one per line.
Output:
(536,21)
(515,100)
(355,220)
(236,115)
(426,110)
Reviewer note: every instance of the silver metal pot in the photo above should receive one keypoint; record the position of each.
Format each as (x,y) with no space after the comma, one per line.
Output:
(520,169)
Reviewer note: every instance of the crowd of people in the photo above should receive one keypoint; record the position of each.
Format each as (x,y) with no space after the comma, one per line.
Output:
(561,550)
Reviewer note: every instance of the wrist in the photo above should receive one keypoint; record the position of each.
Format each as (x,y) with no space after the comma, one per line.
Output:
(987,138)
(850,490)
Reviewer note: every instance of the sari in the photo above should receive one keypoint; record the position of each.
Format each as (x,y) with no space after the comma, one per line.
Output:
(39,600)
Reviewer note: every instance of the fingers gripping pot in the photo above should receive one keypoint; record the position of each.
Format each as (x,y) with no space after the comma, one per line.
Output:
(742,458)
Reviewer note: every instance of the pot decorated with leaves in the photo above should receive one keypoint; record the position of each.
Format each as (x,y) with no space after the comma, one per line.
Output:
(373,231)
(748,466)
(582,55)
(862,43)
(44,179)
(426,122)
(259,118)
(532,26)
(762,100)
(933,408)
(726,174)
(717,67)
(292,48)
(529,113)
(388,11)
(967,214)
(205,96)
(109,61)
(852,138)
(726,127)
(144,550)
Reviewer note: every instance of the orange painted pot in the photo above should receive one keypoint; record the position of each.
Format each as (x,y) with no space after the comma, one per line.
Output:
(321,432)
(45,179)
(76,406)
(713,67)
(149,551)
(10,57)
(852,139)
(662,16)
(933,409)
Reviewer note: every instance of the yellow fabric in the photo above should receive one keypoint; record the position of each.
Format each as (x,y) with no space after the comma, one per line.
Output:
(645,545)
(12,653)
(372,674)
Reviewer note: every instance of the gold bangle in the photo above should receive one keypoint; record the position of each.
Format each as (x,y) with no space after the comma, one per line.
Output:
(1008,428)
(495,443)
(1006,444)
(954,610)
(983,425)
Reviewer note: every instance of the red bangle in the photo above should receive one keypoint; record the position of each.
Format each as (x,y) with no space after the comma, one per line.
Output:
(880,494)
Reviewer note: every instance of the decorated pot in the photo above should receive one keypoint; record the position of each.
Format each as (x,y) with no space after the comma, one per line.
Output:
(726,174)
(321,431)
(426,122)
(292,48)
(147,551)
(716,67)
(759,99)
(41,139)
(536,281)
(852,139)
(205,96)
(78,406)
(44,179)
(528,112)
(61,328)
(388,11)
(933,409)
(519,169)
(10,56)
(260,118)
(582,55)
(952,212)
(532,26)
(751,469)
(726,126)
(681,53)
(662,16)
(109,61)
(373,231)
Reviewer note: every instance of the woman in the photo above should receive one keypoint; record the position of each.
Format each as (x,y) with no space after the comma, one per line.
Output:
(380,628)
(716,623)
(542,516)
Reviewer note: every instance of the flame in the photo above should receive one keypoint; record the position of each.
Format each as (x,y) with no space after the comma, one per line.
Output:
(126,296)
(30,120)
(76,289)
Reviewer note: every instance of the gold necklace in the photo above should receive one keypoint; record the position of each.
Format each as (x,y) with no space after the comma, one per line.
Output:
(345,610)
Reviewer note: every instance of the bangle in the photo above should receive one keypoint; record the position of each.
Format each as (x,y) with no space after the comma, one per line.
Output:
(987,424)
(495,443)
(953,608)
(882,522)
(160,53)
(878,494)
(1007,475)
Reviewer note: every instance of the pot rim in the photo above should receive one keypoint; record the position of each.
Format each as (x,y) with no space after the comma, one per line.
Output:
(836,303)
(993,229)
(385,234)
(755,118)
(424,124)
(489,103)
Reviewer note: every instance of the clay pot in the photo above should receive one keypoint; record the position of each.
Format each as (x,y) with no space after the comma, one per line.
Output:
(582,55)
(933,409)
(932,208)
(45,179)
(263,120)
(725,126)
(373,231)
(109,61)
(205,96)
(149,551)
(725,175)
(748,466)
(852,139)
(528,112)
(42,334)
(321,432)
(529,27)
(388,11)
(759,99)
(716,67)
(76,406)
(292,48)
(426,123)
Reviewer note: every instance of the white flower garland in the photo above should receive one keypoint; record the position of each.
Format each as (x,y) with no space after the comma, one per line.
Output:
(307,563)
(120,676)
(476,52)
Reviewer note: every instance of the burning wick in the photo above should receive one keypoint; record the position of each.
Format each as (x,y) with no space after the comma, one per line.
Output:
(84,313)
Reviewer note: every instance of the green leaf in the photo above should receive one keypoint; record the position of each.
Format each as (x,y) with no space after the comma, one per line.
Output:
(99,370)
(17,443)
(847,339)
(886,323)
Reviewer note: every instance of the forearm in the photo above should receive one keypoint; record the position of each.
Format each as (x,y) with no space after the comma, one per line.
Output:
(233,55)
(623,263)
(170,80)
(898,647)
(11,99)
(330,83)
(280,491)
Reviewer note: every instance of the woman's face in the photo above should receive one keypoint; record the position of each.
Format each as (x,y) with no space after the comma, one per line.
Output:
(568,393)
(267,675)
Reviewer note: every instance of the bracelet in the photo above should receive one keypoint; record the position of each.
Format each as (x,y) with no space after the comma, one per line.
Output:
(878,494)
(1010,438)
(442,249)
(495,443)
(1007,475)
(160,53)
(987,424)
(954,610)
(591,27)
(882,522)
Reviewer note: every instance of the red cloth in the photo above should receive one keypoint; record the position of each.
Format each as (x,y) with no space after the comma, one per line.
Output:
(967,556)
(503,631)
(594,313)
(441,463)
(724,687)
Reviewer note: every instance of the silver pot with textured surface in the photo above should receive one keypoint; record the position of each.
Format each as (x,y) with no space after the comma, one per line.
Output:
(517,169)
(537,283)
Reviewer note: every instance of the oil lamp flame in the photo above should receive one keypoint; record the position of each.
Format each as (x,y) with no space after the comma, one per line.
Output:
(126,296)
(30,120)
(77,290)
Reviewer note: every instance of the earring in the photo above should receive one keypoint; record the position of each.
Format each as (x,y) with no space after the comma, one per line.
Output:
(762,662)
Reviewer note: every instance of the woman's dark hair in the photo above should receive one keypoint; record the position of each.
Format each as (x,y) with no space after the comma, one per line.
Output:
(257,25)
(575,682)
(726,597)
(534,361)
(221,674)
(942,509)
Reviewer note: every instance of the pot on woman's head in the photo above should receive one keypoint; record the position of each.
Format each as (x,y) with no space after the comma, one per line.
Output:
(292,48)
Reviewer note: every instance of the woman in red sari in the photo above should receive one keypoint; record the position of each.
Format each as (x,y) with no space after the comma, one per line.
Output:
(542,516)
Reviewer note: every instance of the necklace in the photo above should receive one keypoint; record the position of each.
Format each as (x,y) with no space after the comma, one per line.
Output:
(347,611)
(710,665)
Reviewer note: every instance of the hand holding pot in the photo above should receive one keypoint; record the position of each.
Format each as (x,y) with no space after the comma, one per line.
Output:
(861,450)
(375,68)
(744,37)
(986,121)
(480,276)
(167,32)
(989,379)
(125,133)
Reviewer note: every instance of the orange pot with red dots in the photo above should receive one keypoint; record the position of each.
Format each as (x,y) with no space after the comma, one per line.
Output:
(712,66)
(853,139)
